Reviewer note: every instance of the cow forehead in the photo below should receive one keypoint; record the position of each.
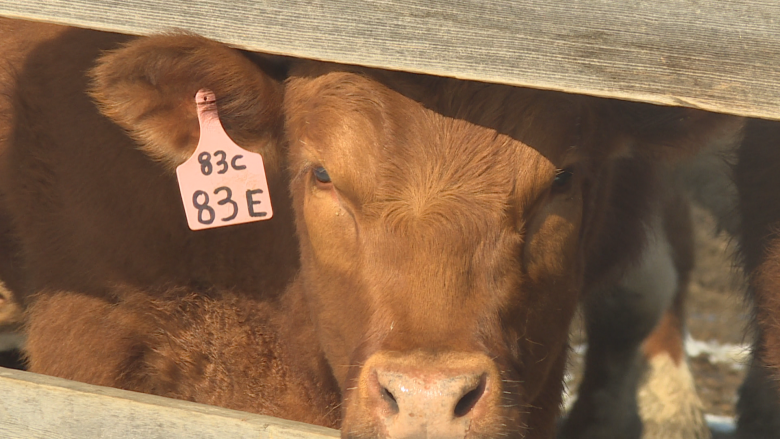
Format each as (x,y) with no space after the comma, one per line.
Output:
(393,136)
(541,119)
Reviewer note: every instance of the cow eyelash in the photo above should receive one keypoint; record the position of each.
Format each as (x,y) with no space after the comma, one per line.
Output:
(563,179)
(321,176)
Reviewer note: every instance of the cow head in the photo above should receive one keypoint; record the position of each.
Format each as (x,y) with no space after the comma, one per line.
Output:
(446,227)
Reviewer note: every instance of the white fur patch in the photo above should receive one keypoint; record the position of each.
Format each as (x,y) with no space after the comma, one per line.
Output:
(668,403)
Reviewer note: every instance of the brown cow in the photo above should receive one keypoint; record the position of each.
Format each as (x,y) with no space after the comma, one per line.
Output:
(757,179)
(446,231)
(93,216)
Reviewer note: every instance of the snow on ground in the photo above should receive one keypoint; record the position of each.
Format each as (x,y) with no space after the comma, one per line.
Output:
(720,424)
(735,355)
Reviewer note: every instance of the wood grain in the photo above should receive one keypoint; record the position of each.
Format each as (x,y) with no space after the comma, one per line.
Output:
(36,406)
(716,55)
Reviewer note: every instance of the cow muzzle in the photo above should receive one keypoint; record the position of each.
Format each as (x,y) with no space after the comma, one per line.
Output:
(422,395)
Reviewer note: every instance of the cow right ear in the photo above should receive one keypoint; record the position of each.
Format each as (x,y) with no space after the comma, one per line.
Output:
(148,87)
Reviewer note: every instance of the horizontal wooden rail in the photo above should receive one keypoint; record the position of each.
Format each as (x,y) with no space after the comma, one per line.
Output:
(717,55)
(36,406)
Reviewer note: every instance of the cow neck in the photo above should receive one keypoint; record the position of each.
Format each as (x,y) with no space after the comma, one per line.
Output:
(302,351)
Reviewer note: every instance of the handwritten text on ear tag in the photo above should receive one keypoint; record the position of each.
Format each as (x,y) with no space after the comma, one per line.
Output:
(222,184)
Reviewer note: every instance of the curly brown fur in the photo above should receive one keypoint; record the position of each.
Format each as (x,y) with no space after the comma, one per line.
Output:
(215,347)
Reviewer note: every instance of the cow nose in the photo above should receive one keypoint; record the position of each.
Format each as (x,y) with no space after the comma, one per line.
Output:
(426,396)
(445,398)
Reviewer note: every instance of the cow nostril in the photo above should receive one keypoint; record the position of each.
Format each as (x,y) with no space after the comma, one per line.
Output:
(390,400)
(470,399)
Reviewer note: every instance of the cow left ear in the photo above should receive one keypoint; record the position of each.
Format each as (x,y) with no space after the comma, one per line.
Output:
(148,87)
(669,133)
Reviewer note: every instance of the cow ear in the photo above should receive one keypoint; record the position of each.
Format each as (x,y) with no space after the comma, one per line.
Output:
(669,133)
(148,87)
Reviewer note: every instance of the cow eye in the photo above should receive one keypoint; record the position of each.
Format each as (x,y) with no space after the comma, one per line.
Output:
(321,175)
(562,180)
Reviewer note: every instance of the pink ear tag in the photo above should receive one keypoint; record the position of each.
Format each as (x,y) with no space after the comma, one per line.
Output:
(222,184)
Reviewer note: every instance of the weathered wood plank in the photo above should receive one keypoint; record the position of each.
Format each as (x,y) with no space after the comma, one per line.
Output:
(716,55)
(36,406)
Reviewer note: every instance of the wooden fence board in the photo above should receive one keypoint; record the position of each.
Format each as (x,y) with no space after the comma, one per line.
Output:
(36,406)
(717,55)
